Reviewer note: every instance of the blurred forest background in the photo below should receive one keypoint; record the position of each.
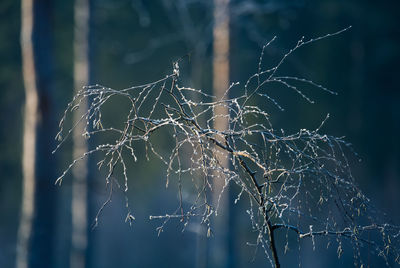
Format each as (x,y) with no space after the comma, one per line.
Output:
(135,41)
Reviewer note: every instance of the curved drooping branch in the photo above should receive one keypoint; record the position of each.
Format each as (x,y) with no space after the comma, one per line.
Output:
(294,182)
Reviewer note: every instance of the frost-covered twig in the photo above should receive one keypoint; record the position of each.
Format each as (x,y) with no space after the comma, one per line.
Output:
(298,182)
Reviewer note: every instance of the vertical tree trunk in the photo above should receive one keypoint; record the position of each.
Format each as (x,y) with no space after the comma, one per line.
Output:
(220,243)
(80,170)
(29,136)
(37,222)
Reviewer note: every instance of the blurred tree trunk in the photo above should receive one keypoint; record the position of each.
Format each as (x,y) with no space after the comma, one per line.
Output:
(37,223)
(220,244)
(79,209)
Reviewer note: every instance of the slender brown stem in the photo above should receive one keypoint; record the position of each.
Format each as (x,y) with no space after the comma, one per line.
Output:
(272,243)
(261,203)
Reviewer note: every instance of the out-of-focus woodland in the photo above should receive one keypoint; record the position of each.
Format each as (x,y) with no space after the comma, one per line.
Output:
(124,43)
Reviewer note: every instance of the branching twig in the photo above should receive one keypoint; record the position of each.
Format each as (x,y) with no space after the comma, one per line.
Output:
(294,182)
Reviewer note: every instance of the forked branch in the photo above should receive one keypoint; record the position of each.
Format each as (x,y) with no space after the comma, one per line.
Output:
(294,182)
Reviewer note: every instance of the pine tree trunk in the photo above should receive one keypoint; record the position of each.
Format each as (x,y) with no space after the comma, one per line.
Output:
(80,171)
(220,248)
(37,223)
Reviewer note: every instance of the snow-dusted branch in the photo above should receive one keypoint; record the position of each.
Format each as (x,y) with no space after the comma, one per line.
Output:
(298,182)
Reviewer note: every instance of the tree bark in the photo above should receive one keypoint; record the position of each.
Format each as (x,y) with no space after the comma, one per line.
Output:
(37,221)
(80,171)
(220,244)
